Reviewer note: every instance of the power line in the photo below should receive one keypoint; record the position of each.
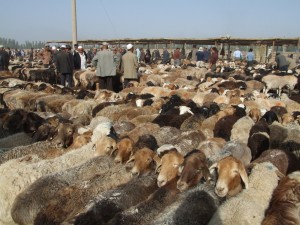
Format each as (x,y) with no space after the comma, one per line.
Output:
(114,29)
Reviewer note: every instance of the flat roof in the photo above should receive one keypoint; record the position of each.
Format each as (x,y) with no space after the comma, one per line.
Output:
(197,41)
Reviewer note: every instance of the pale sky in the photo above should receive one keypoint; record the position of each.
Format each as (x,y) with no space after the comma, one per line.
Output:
(43,20)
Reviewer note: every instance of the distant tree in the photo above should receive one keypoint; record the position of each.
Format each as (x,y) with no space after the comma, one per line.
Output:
(12,43)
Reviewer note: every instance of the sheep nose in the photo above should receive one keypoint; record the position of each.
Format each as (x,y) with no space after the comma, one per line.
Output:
(161,183)
(134,173)
(220,189)
(117,160)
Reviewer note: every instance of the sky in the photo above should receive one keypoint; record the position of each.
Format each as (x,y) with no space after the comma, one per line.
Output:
(44,20)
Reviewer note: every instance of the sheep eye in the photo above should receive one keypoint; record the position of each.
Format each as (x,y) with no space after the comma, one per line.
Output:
(149,160)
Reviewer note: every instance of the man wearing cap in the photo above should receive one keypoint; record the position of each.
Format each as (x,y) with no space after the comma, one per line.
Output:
(106,68)
(64,67)
(129,65)
(4,59)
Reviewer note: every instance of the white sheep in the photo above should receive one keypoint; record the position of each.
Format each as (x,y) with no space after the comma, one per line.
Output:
(249,206)
(278,82)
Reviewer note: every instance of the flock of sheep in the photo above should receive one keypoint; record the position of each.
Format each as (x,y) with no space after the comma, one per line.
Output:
(181,146)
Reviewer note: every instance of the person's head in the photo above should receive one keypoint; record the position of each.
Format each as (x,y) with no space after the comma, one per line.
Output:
(200,49)
(214,49)
(75,46)
(68,47)
(129,47)
(250,50)
(104,45)
(94,50)
(63,48)
(80,49)
(1,47)
(53,48)
(194,46)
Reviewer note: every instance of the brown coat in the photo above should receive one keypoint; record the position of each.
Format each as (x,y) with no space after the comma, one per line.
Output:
(45,56)
(129,65)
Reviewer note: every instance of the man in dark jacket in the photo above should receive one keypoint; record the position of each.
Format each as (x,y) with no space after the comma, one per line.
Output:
(64,67)
(4,59)
(76,58)
(282,63)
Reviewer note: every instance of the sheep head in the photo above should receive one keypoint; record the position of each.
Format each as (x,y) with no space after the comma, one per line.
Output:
(168,166)
(193,168)
(231,172)
(143,160)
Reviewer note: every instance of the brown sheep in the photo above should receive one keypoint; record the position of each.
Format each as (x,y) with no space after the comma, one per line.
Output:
(284,206)
(124,150)
(144,161)
(193,168)
(231,173)
(168,165)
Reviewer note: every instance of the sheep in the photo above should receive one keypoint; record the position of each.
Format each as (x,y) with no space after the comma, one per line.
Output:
(249,206)
(212,147)
(259,139)
(224,125)
(284,205)
(15,140)
(17,174)
(168,165)
(70,200)
(124,149)
(195,206)
(110,202)
(29,202)
(231,172)
(144,161)
(144,212)
(284,160)
(278,82)
(241,129)
(193,168)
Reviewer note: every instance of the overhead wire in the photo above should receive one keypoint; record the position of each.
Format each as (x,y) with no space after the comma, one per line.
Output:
(108,17)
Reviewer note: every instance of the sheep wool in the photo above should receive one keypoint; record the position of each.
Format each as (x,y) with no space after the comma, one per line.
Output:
(249,206)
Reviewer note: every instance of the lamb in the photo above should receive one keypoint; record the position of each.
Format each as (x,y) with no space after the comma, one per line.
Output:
(284,205)
(278,82)
(249,206)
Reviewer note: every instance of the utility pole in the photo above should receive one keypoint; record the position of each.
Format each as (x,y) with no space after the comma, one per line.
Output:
(74,23)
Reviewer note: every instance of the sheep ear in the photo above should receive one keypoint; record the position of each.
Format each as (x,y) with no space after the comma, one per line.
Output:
(213,167)
(206,174)
(132,158)
(113,151)
(243,174)
(279,174)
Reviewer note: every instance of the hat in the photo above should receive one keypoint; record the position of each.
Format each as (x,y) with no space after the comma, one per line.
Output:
(129,46)
(80,46)
(201,49)
(63,46)
(104,43)
(53,48)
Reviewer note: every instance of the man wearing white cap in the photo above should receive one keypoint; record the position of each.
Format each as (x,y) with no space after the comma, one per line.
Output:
(106,68)
(129,65)
(4,59)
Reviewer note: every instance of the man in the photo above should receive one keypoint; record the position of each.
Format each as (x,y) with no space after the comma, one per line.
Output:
(46,56)
(166,56)
(106,68)
(76,58)
(64,67)
(176,57)
(282,63)
(129,65)
(4,59)
(83,57)
(237,55)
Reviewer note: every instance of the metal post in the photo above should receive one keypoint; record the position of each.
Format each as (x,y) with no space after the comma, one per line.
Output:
(74,23)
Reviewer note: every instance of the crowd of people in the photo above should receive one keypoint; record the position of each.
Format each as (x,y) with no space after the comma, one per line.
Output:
(112,61)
